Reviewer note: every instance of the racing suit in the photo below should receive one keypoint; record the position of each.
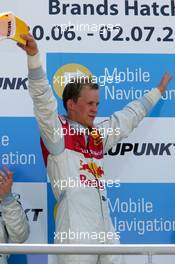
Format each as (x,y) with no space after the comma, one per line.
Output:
(14,227)
(77,160)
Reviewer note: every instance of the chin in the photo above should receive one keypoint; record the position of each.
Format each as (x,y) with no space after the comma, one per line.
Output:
(91,124)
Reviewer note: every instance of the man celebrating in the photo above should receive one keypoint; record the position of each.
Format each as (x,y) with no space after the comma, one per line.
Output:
(82,215)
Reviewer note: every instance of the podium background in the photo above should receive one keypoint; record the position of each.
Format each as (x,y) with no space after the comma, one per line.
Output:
(126,55)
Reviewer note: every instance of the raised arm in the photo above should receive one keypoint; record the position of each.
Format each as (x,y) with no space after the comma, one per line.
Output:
(45,104)
(121,123)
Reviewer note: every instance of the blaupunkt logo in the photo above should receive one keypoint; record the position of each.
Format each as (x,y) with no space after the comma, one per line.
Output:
(68,73)
(15,83)
(140,149)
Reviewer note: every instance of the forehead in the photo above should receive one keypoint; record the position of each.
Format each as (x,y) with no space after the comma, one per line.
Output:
(87,91)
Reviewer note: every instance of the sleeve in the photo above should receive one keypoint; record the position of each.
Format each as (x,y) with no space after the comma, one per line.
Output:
(15,220)
(45,107)
(122,123)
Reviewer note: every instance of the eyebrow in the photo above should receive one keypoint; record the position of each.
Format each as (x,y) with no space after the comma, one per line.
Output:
(93,102)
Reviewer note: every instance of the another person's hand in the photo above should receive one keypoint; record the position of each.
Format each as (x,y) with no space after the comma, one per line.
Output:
(6,181)
(31,47)
(164,82)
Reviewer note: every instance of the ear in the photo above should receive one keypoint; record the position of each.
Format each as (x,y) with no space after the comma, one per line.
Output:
(70,105)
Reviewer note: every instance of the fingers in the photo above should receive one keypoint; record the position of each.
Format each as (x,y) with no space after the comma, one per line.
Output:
(3,177)
(7,170)
(7,175)
(2,174)
(21,46)
(166,78)
(31,46)
(164,82)
(27,37)
(5,181)
(167,75)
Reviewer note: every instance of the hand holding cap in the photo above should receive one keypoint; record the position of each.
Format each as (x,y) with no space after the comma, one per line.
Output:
(12,27)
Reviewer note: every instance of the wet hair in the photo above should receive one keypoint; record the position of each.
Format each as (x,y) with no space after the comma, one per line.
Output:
(73,88)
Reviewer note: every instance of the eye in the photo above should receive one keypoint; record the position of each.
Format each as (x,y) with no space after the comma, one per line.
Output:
(93,104)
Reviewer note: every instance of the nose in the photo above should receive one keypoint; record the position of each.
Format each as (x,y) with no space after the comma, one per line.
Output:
(95,108)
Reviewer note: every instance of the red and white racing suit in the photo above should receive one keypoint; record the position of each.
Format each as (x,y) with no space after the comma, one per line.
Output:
(82,215)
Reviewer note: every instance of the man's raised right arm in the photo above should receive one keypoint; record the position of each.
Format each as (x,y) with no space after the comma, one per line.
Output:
(45,104)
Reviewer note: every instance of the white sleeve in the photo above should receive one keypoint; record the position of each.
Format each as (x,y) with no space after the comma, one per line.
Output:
(45,107)
(122,123)
(15,220)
